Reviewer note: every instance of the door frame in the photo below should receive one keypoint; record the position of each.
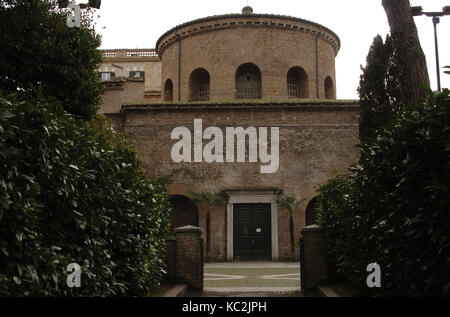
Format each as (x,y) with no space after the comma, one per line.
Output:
(252,199)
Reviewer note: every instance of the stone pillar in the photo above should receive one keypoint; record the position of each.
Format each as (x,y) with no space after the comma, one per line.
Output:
(171,260)
(189,256)
(314,262)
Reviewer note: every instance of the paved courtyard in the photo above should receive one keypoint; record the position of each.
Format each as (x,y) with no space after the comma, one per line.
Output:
(254,279)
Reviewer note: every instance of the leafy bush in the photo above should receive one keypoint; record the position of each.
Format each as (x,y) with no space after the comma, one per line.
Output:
(74,192)
(393,208)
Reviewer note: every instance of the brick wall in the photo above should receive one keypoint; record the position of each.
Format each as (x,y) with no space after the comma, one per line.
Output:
(316,142)
(314,264)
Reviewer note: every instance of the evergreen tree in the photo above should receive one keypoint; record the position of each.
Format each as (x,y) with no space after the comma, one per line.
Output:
(380,89)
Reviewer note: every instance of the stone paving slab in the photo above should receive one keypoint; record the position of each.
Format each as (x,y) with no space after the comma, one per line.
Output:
(268,278)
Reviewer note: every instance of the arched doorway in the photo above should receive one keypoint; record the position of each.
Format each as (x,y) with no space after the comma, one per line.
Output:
(248,82)
(311,213)
(199,85)
(297,83)
(184,212)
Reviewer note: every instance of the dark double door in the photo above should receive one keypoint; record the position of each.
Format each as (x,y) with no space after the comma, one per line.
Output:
(252,232)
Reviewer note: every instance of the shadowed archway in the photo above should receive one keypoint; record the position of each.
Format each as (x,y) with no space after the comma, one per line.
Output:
(199,85)
(168,90)
(329,88)
(311,213)
(248,82)
(297,83)
(185,212)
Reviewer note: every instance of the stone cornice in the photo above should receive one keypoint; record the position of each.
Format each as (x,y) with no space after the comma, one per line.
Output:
(229,21)
(301,104)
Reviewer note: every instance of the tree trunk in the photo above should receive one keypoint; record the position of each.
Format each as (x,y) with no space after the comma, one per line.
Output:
(406,42)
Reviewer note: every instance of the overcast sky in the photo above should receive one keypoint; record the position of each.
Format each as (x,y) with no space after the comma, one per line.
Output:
(139,24)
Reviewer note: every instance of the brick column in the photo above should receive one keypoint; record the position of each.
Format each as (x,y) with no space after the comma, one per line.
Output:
(189,256)
(171,260)
(313,261)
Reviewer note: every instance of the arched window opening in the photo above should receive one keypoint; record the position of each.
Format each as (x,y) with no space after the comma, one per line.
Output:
(168,90)
(311,213)
(329,88)
(297,83)
(199,83)
(184,212)
(248,82)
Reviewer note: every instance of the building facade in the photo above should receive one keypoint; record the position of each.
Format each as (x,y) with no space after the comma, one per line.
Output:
(129,75)
(243,105)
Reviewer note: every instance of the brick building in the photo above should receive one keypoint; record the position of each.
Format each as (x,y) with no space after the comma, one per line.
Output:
(260,72)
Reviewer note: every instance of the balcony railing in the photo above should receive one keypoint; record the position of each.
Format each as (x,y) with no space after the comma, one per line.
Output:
(129,53)
(109,54)
(149,53)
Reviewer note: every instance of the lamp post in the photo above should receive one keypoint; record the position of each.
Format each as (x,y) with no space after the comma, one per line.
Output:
(417,11)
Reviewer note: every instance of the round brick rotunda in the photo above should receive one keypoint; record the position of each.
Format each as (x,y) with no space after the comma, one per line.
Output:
(248,57)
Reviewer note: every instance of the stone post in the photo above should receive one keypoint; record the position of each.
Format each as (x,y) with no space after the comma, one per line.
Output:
(171,258)
(189,256)
(313,261)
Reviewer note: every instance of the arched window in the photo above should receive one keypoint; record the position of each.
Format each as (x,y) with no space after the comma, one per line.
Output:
(248,82)
(329,88)
(184,212)
(199,85)
(297,83)
(168,90)
(311,213)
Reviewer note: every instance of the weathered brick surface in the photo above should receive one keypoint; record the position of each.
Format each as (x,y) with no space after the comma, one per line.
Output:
(315,143)
(314,263)
(189,256)
(274,44)
(127,92)
(316,140)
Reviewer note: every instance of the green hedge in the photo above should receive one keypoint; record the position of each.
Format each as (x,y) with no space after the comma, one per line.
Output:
(74,192)
(393,207)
